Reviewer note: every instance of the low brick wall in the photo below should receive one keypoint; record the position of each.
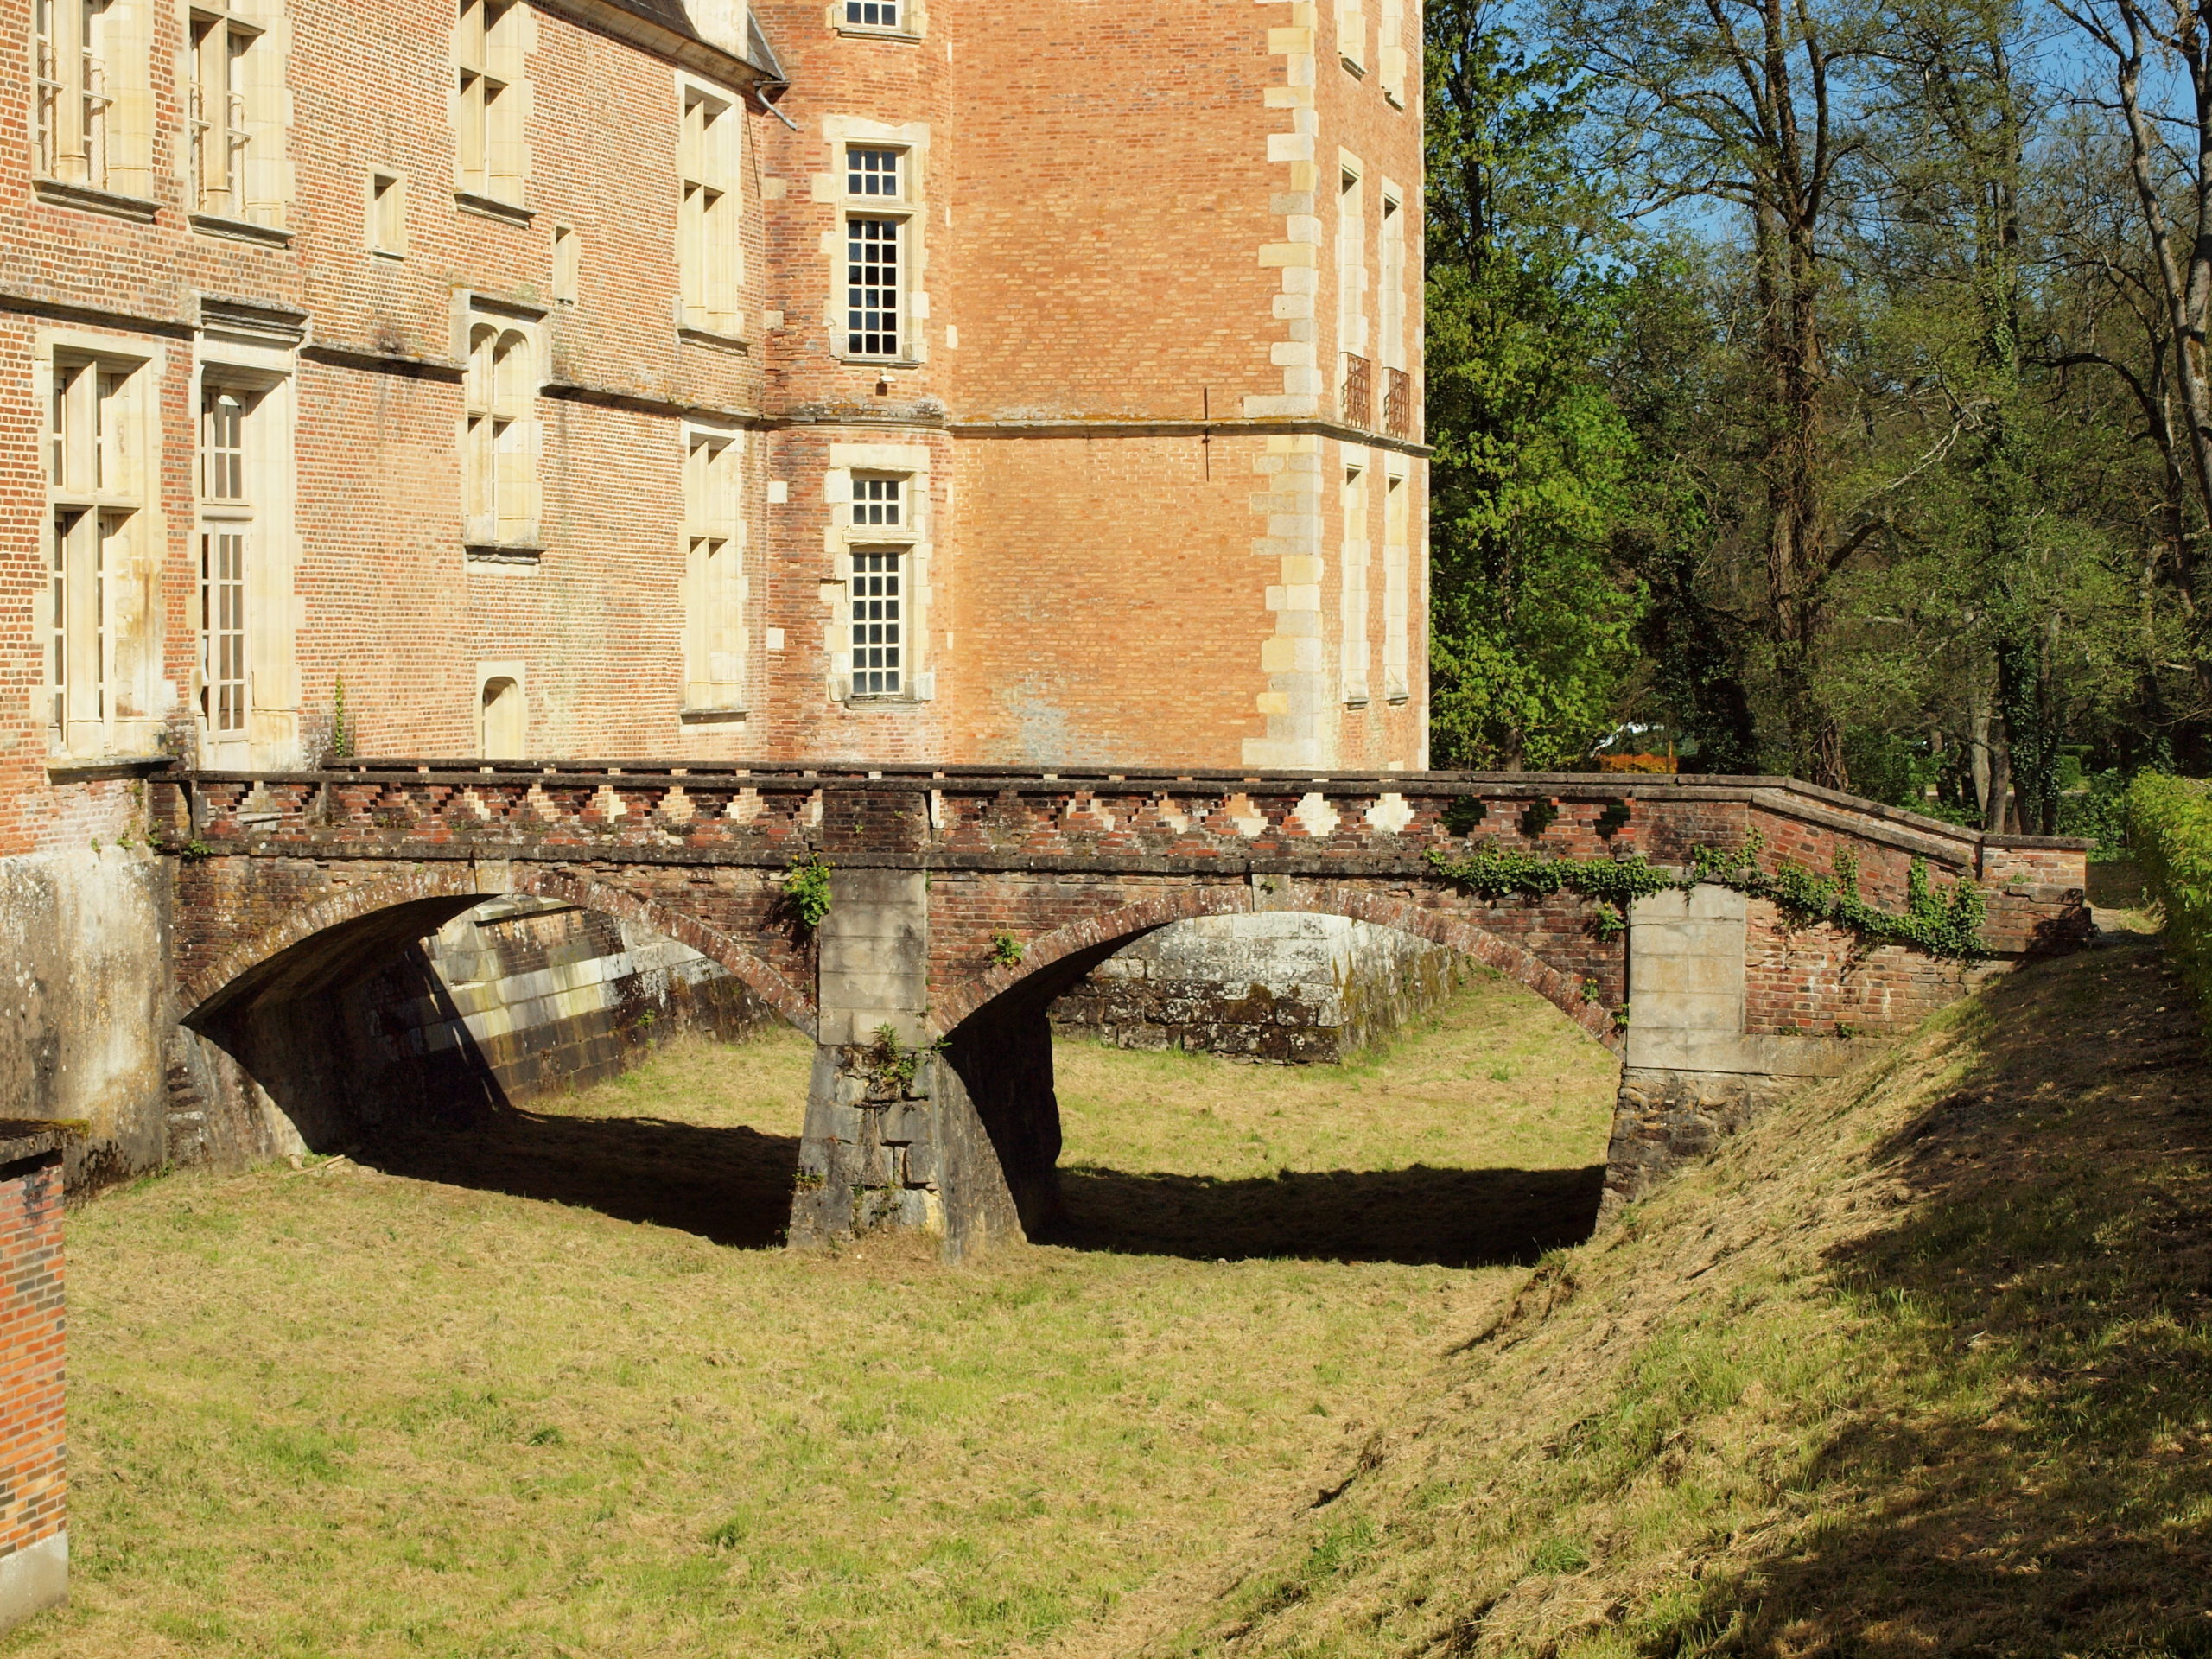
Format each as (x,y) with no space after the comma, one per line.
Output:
(34,1484)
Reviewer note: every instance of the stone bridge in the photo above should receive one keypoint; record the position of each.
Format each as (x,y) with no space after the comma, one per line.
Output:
(966,899)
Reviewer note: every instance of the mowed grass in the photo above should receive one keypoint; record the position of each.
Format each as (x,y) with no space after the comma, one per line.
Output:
(338,1411)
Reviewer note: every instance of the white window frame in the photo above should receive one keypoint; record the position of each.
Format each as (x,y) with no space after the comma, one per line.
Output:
(517,674)
(90,105)
(232,75)
(852,17)
(856,534)
(383,213)
(501,435)
(491,100)
(716,586)
(710,250)
(1397,582)
(1391,58)
(1351,35)
(906,212)
(97,616)
(1357,557)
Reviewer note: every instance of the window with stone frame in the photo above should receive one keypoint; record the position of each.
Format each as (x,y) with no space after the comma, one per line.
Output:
(489,107)
(1390,56)
(1351,34)
(91,100)
(386,222)
(1355,398)
(1398,588)
(715,582)
(709,255)
(97,492)
(227,529)
(1357,555)
(879,502)
(875,14)
(877,177)
(879,601)
(499,439)
(873,287)
(235,113)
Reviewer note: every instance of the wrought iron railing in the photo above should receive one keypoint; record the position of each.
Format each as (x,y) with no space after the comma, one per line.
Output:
(1357,404)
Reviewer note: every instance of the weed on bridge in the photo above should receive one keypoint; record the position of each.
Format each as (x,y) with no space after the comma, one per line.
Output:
(337,1411)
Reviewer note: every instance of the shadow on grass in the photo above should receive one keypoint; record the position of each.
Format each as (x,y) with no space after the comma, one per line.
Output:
(2040,1481)
(1448,1217)
(733,1187)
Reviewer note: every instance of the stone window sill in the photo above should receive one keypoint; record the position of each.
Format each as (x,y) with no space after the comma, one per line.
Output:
(856,32)
(712,716)
(506,213)
(1396,95)
(59,192)
(693,335)
(1356,69)
(502,553)
(860,362)
(239,230)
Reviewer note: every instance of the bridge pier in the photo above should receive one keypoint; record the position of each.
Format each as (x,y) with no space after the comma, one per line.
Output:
(1692,1072)
(957,1139)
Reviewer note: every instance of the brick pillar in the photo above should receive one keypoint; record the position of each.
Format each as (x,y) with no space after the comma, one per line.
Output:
(34,1529)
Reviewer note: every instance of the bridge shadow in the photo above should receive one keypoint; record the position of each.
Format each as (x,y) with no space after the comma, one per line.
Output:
(1418,1216)
(730,1185)
(733,1186)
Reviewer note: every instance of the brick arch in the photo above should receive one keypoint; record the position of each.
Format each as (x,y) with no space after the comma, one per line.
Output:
(430,889)
(1118,927)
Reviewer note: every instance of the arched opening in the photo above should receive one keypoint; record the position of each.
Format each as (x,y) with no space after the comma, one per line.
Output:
(1475,1134)
(506,719)
(491,1041)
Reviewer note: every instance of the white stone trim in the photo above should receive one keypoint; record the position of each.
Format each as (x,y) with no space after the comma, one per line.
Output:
(1298,254)
(33,1580)
(841,537)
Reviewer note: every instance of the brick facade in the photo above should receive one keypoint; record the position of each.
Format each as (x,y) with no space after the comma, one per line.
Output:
(1119,323)
(34,1534)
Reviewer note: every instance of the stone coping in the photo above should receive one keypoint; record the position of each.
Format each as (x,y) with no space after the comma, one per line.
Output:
(1788,796)
(24,1138)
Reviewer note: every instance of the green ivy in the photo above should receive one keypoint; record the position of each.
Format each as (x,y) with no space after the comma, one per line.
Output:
(1945,924)
(806,890)
(2169,830)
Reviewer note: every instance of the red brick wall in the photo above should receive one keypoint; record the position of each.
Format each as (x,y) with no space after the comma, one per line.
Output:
(33,1441)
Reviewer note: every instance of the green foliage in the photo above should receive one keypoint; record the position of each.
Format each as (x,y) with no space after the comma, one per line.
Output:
(1007,951)
(890,1063)
(1531,626)
(806,890)
(1945,923)
(2170,828)
(341,730)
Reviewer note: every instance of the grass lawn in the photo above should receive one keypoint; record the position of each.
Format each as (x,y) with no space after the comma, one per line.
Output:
(389,1411)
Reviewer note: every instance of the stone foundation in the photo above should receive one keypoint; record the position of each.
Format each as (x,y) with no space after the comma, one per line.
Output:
(1665,1118)
(1287,986)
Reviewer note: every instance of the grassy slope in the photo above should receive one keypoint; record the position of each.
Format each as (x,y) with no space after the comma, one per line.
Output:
(1922,1365)
(334,1412)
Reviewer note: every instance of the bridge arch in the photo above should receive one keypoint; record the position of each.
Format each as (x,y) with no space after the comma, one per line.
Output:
(319,942)
(1054,961)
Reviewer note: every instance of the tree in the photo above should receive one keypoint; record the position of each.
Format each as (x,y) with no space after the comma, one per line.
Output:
(1532,626)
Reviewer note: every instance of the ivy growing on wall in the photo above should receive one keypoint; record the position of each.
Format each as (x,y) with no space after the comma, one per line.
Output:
(1946,923)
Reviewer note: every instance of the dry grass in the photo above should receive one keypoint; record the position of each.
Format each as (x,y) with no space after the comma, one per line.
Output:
(339,1411)
(1922,1366)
